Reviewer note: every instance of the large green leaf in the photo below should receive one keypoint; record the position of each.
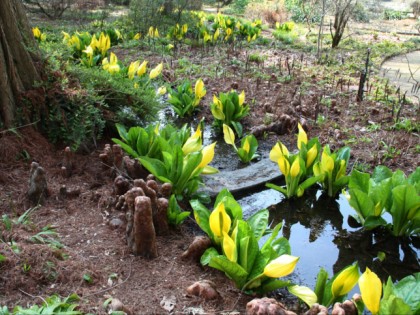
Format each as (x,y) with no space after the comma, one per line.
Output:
(193,160)
(361,202)
(156,167)
(359,180)
(208,255)
(281,246)
(408,289)
(406,203)
(126,148)
(321,281)
(233,270)
(201,215)
(414,179)
(248,250)
(272,284)
(122,132)
(372,222)
(258,223)
(394,305)
(380,173)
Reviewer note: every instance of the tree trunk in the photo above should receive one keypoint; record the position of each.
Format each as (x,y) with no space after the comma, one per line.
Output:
(18,55)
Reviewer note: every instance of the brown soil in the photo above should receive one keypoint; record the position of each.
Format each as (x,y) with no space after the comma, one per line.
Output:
(91,247)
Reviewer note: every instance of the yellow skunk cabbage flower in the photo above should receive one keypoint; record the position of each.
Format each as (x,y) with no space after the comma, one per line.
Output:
(89,52)
(66,37)
(132,69)
(304,293)
(228,33)
(342,170)
(137,36)
(218,109)
(184,28)
(311,156)
(279,149)
(284,165)
(345,281)
(241,98)
(156,33)
(281,266)
(219,220)
(216,35)
(169,46)
(228,134)
(327,162)
(38,34)
(112,65)
(156,71)
(229,247)
(295,168)
(104,43)
(119,36)
(142,68)
(208,155)
(151,31)
(302,137)
(246,145)
(162,90)
(371,290)
(199,90)
(193,143)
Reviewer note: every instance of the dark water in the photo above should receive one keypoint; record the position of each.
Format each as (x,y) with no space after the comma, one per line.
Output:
(319,233)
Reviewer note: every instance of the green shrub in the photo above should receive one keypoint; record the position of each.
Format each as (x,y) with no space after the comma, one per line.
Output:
(126,103)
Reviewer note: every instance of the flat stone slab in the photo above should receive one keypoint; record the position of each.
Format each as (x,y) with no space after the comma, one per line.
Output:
(249,177)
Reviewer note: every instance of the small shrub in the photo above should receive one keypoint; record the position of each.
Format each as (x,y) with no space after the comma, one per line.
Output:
(415,6)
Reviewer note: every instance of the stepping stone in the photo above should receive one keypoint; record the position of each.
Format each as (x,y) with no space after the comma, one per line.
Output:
(249,177)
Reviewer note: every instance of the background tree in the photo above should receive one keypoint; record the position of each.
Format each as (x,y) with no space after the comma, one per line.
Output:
(343,12)
(18,59)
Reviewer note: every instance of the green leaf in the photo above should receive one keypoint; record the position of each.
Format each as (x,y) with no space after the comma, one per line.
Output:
(122,132)
(394,305)
(258,223)
(309,182)
(248,251)
(372,222)
(208,255)
(321,281)
(380,173)
(408,290)
(272,284)
(304,293)
(233,270)
(154,166)
(278,188)
(361,202)
(201,215)
(359,180)
(126,148)
(406,204)
(2,258)
(281,246)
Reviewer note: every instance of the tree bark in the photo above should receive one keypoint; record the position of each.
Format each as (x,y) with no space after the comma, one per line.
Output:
(18,57)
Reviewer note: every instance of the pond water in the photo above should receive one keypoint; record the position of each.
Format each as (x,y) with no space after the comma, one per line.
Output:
(319,233)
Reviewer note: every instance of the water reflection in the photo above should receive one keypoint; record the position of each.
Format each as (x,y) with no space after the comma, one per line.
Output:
(318,232)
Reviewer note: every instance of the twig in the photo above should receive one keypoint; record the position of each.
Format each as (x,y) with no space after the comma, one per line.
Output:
(114,286)
(11,129)
(33,296)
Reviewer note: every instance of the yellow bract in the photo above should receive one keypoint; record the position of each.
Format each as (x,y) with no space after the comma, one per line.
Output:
(284,165)
(327,162)
(281,266)
(104,43)
(156,71)
(246,145)
(199,90)
(345,281)
(311,156)
(241,98)
(371,290)
(279,149)
(142,68)
(132,69)
(295,169)
(228,134)
(216,35)
(193,143)
(208,155)
(137,36)
(229,247)
(302,137)
(112,65)
(162,90)
(219,220)
(218,109)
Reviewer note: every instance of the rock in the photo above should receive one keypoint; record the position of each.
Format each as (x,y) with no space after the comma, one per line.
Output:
(266,306)
(116,223)
(204,289)
(168,303)
(255,174)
